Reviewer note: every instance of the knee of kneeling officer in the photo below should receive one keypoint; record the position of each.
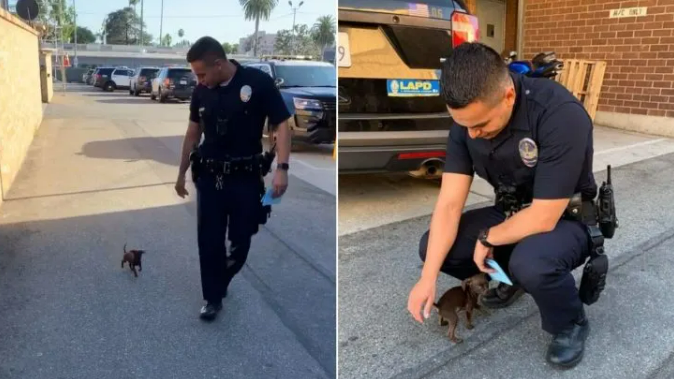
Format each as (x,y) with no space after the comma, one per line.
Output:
(528,269)
(423,245)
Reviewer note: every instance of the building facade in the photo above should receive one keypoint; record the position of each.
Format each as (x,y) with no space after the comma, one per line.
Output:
(634,38)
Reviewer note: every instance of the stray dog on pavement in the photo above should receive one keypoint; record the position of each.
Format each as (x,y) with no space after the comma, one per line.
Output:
(456,299)
(133,257)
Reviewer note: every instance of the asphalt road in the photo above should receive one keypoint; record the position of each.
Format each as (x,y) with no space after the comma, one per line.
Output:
(100,174)
(378,262)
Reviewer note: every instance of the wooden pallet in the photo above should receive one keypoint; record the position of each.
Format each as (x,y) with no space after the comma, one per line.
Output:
(584,79)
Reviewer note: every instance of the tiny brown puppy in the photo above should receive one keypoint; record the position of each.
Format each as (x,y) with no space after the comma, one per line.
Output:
(134,259)
(460,298)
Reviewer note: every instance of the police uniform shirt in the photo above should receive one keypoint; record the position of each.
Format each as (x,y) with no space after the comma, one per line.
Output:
(547,144)
(240,107)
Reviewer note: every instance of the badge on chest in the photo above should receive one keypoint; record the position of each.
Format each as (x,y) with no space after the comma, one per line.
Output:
(528,152)
(245,93)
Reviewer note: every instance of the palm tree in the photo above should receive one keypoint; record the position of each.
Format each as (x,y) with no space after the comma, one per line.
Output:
(256,10)
(323,32)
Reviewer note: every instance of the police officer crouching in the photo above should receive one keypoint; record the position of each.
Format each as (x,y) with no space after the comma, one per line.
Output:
(229,107)
(532,141)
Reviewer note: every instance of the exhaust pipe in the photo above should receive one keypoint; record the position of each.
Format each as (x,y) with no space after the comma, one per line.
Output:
(429,169)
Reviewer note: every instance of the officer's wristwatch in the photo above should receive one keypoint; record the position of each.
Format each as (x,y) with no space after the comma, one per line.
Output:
(482,237)
(283,166)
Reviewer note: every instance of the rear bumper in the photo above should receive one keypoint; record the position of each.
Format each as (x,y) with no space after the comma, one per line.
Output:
(366,152)
(177,93)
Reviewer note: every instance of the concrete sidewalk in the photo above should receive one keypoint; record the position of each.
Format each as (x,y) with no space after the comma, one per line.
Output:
(631,336)
(99,175)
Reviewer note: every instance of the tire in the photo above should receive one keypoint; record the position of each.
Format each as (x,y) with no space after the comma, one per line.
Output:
(153,96)
(162,99)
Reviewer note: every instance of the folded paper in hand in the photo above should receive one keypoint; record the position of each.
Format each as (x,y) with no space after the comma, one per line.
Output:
(499,275)
(268,199)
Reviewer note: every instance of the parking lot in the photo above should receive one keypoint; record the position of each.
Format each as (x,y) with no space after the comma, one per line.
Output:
(99,174)
(381,218)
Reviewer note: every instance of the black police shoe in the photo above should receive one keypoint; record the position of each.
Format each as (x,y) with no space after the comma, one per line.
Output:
(567,347)
(209,311)
(501,296)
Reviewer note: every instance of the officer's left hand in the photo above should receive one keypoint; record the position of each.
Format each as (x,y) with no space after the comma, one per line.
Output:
(481,253)
(280,182)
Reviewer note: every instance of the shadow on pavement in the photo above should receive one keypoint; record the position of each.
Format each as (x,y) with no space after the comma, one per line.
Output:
(69,309)
(159,149)
(129,100)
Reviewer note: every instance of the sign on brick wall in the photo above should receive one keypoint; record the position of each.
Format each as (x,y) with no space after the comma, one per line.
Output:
(627,12)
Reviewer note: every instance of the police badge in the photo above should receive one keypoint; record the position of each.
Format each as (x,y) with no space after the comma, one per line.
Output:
(245,93)
(528,152)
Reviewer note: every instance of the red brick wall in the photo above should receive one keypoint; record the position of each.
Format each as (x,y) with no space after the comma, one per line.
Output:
(639,51)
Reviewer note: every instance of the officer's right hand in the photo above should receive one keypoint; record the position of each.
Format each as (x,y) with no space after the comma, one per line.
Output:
(180,187)
(422,295)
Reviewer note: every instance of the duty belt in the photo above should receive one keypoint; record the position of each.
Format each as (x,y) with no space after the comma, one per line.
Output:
(250,164)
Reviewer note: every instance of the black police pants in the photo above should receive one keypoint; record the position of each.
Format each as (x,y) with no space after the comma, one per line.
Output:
(226,213)
(541,264)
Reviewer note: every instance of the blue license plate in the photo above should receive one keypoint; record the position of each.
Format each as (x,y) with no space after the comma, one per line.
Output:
(412,87)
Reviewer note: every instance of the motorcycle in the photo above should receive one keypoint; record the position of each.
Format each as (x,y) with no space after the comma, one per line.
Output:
(543,65)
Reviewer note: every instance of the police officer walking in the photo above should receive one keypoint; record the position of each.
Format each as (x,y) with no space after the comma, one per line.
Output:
(531,139)
(229,107)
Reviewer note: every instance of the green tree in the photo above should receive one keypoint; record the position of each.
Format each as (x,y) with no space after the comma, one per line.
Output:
(304,43)
(84,35)
(166,41)
(256,10)
(58,18)
(228,47)
(235,48)
(323,32)
(122,27)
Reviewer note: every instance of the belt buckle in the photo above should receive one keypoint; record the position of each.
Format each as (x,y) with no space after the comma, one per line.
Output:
(226,167)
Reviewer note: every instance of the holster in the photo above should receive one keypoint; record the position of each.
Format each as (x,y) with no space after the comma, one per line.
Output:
(195,164)
(593,280)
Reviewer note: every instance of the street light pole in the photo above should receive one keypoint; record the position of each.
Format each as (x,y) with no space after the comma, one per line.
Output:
(75,58)
(161,25)
(292,43)
(142,42)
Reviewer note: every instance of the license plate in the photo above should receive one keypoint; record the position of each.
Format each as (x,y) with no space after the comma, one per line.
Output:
(343,51)
(412,87)
(184,82)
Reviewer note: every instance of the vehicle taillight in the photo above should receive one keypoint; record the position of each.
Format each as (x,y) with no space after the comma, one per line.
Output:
(465,28)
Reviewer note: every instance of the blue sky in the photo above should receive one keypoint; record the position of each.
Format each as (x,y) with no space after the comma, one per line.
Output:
(221,19)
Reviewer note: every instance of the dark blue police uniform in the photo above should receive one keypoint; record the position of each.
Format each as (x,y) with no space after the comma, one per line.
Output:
(545,152)
(228,204)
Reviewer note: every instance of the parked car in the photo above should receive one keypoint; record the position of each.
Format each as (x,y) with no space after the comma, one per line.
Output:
(391,115)
(102,76)
(112,78)
(87,75)
(309,89)
(173,83)
(142,80)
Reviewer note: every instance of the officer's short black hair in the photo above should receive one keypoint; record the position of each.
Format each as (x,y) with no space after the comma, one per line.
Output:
(206,49)
(473,71)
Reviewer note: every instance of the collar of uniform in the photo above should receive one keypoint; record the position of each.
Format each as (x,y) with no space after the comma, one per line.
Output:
(518,119)
(236,73)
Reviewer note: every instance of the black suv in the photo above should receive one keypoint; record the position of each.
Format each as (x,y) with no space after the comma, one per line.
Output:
(309,90)
(173,83)
(391,114)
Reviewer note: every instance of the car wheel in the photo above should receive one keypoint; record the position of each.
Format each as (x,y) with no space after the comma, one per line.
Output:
(153,96)
(162,99)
